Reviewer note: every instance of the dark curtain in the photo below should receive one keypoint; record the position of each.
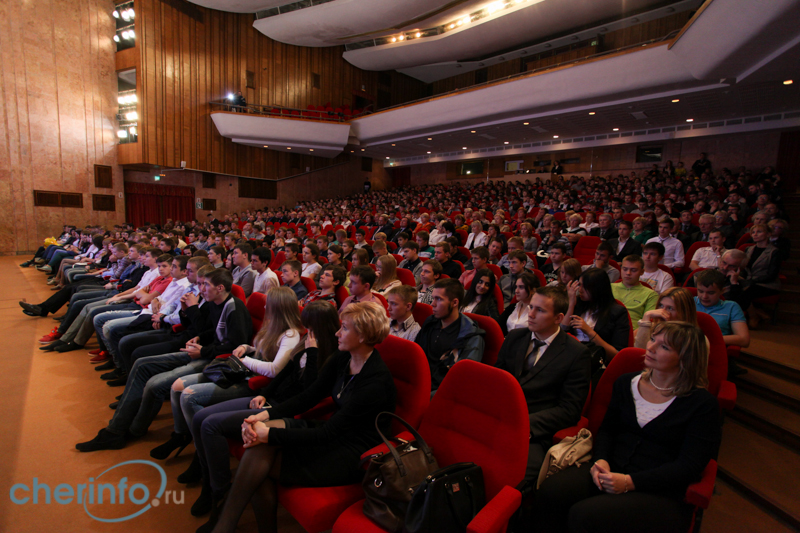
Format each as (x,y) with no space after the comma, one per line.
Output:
(153,203)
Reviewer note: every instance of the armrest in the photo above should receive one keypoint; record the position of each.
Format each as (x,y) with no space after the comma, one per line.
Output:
(699,494)
(177,328)
(381,448)
(727,395)
(258,382)
(572,431)
(223,356)
(497,512)
(321,411)
(734,351)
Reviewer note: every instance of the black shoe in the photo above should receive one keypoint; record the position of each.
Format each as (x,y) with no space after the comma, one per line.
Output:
(52,346)
(26,264)
(193,474)
(119,382)
(113,405)
(118,397)
(108,365)
(217,504)
(105,440)
(204,502)
(59,318)
(32,310)
(69,347)
(114,374)
(176,440)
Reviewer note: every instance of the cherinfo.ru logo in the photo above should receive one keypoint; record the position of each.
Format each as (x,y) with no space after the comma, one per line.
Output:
(105,496)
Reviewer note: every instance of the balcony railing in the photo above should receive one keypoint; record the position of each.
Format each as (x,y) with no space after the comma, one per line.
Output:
(317,113)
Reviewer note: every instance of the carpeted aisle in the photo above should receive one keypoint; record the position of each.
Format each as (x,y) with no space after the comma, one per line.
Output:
(51,401)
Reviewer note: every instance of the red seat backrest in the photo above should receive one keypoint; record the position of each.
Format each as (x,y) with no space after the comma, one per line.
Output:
(472,407)
(627,360)
(585,249)
(540,275)
(412,378)
(496,269)
(421,312)
(341,295)
(718,353)
(406,277)
(256,305)
(308,283)
(493,339)
(238,292)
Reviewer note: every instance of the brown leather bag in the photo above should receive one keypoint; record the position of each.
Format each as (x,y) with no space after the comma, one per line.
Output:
(392,477)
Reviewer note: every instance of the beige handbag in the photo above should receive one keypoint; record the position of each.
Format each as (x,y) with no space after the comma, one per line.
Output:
(568,452)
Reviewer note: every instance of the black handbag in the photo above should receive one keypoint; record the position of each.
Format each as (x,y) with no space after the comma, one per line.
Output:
(392,477)
(447,500)
(226,372)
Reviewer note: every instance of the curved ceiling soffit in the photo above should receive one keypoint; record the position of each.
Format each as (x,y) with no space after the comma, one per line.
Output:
(239,6)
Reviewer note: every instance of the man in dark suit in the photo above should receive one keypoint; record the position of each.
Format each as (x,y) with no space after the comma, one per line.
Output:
(553,369)
(606,229)
(623,245)
(385,227)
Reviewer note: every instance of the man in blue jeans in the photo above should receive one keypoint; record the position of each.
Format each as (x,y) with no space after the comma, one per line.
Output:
(222,323)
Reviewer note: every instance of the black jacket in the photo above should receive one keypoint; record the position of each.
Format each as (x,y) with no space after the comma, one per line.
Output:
(611,233)
(221,327)
(667,454)
(632,247)
(614,328)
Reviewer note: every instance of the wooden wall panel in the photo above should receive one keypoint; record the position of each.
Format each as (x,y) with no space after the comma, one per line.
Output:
(186,63)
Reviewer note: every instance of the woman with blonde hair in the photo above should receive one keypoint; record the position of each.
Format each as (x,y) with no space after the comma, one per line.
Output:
(675,303)
(570,270)
(273,347)
(386,268)
(281,448)
(659,432)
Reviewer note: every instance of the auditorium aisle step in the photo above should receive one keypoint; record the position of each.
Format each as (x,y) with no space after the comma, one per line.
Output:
(763,471)
(731,512)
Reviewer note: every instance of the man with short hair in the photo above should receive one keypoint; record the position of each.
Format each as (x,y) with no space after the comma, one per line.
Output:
(379,249)
(401,301)
(216,256)
(727,313)
(553,369)
(449,336)
(709,256)
(449,267)
(330,278)
(362,278)
(243,273)
(508,282)
(515,243)
(602,256)
(673,249)
(657,279)
(624,245)
(480,258)
(605,229)
(428,276)
(265,278)
(426,251)
(411,260)
(558,254)
(636,298)
(291,272)
(706,223)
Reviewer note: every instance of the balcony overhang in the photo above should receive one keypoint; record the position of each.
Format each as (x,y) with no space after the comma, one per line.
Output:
(296,135)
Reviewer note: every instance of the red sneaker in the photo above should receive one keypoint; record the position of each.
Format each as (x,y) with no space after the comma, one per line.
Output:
(50,337)
(96,352)
(99,358)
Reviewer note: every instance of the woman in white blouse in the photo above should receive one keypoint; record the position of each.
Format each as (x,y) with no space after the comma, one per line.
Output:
(274,345)
(516,316)
(386,269)
(311,266)
(477,237)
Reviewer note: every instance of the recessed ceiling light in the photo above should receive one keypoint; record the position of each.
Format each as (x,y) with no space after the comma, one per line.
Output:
(428,152)
(676,100)
(525,123)
(616,129)
(689,120)
(394,40)
(506,142)
(788,82)
(266,146)
(352,151)
(418,34)
(555,136)
(430,138)
(394,144)
(288,147)
(310,149)
(463,147)
(473,131)
(362,149)
(401,37)
(591,112)
(387,157)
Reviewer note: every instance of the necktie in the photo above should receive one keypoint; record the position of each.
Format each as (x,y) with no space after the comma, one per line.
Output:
(530,359)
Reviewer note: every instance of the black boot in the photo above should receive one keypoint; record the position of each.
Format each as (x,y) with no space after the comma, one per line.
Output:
(105,440)
(217,504)
(108,365)
(121,381)
(204,502)
(52,346)
(176,440)
(193,474)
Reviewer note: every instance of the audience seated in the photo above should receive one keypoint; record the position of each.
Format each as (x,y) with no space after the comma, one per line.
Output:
(636,297)
(480,296)
(401,301)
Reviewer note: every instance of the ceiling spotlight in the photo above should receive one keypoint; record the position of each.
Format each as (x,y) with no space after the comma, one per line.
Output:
(133,98)
(394,39)
(676,100)
(689,120)
(460,22)
(387,157)
(451,26)
(352,151)
(266,146)
(133,130)
(131,13)
(115,14)
(401,37)
(133,115)
(466,20)
(591,112)
(288,147)
(525,123)
(428,152)
(122,134)
(616,129)
(418,34)
(310,149)
(473,131)
(506,142)
(131,35)
(463,147)
(430,138)
(363,149)
(116,38)
(788,82)
(125,15)
(394,144)
(125,35)
(555,136)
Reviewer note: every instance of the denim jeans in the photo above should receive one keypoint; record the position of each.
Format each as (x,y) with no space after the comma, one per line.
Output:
(78,301)
(211,429)
(199,392)
(137,345)
(84,331)
(149,383)
(107,328)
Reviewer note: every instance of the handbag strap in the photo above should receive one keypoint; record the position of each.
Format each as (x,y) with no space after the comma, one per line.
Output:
(420,442)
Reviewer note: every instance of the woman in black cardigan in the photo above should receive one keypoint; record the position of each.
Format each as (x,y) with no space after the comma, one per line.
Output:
(300,452)
(660,431)
(594,315)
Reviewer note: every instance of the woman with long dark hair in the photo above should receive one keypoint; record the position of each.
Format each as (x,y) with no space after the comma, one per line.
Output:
(479,298)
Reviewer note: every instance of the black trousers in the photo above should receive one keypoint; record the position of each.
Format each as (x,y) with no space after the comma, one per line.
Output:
(61,298)
(754,292)
(570,501)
